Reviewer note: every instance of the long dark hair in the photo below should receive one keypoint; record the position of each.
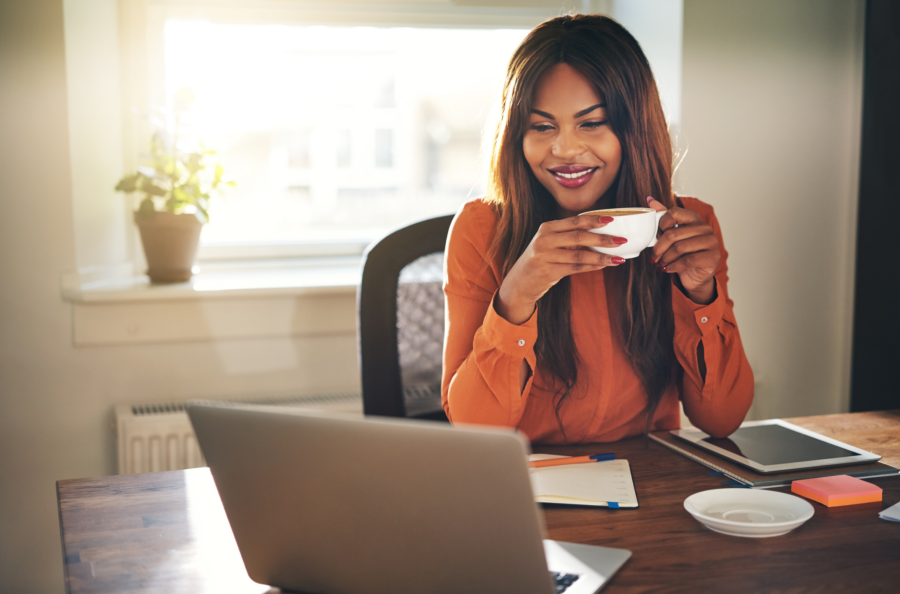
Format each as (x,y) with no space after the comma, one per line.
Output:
(605,54)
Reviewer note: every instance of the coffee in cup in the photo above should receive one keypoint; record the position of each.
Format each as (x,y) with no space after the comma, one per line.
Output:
(637,225)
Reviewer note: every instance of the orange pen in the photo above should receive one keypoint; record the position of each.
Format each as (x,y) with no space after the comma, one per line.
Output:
(571,460)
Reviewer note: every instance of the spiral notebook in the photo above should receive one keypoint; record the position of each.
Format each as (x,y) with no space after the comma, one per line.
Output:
(602,484)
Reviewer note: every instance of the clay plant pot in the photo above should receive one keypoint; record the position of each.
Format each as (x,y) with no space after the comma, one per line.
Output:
(170,244)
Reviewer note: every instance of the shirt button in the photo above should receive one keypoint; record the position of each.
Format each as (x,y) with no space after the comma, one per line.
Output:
(704,319)
(521,343)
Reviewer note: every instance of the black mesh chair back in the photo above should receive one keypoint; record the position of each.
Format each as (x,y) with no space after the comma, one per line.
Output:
(400,304)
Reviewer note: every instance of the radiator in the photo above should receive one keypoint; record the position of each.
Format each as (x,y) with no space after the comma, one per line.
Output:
(155,437)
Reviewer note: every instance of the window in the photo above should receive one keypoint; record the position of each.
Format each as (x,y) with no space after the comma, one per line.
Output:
(336,132)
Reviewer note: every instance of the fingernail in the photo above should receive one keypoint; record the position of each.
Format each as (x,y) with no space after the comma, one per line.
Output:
(653,258)
(665,269)
(606,220)
(650,199)
(618,260)
(620,240)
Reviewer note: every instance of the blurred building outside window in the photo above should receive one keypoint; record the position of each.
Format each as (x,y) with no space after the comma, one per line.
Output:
(337,133)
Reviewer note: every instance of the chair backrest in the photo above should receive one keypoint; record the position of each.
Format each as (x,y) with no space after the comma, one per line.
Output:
(400,304)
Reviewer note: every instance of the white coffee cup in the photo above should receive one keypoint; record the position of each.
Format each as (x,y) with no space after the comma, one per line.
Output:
(637,225)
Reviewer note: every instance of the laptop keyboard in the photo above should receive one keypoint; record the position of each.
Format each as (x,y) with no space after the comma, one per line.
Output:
(563,580)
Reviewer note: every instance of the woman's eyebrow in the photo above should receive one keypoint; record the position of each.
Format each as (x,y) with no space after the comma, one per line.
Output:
(543,114)
(584,112)
(581,113)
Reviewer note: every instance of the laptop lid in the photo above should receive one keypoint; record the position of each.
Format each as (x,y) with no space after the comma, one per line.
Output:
(323,503)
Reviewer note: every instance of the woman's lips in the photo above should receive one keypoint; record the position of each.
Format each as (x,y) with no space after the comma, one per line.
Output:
(572,176)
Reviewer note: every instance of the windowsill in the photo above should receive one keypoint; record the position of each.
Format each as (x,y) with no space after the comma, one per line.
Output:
(306,276)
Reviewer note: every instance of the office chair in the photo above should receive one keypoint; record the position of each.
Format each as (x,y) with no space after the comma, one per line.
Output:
(400,304)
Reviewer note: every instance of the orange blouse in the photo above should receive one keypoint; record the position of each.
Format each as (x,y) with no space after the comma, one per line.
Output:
(483,353)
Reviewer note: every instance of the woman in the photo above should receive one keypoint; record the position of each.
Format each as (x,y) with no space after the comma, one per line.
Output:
(566,344)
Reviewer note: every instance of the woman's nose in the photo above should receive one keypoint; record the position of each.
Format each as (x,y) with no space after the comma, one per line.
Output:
(567,145)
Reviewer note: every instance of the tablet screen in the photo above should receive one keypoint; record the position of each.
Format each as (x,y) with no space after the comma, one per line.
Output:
(774,444)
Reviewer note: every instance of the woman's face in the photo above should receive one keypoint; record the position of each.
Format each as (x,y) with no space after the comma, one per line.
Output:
(569,144)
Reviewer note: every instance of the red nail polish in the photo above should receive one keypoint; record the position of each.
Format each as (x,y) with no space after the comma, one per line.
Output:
(665,269)
(618,260)
(653,258)
(620,240)
(606,220)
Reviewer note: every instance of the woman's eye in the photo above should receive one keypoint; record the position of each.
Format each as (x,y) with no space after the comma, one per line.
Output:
(594,125)
(541,127)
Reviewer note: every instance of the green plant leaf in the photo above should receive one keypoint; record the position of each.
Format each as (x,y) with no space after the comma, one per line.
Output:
(173,204)
(181,196)
(128,184)
(189,191)
(152,189)
(192,162)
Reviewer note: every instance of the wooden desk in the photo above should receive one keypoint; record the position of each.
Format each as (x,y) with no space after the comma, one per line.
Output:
(166,532)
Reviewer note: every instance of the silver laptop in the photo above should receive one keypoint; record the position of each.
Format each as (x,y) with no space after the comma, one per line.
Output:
(341,504)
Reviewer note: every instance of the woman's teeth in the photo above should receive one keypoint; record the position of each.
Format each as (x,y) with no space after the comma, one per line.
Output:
(573,175)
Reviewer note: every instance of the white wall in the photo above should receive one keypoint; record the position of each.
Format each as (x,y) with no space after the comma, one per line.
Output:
(56,399)
(771,116)
(95,132)
(771,120)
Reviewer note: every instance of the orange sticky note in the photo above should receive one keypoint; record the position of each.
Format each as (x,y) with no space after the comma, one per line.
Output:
(837,490)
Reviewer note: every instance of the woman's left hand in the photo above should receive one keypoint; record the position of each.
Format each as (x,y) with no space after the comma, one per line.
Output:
(687,247)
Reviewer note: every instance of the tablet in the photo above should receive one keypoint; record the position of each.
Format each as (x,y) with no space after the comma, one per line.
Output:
(778,446)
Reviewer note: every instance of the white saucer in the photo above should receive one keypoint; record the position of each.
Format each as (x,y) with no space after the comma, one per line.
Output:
(748,512)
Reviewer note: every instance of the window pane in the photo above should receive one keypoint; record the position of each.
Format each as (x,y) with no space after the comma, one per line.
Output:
(384,148)
(343,150)
(337,132)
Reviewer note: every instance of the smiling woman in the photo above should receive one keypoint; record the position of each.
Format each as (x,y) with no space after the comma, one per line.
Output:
(546,335)
(554,145)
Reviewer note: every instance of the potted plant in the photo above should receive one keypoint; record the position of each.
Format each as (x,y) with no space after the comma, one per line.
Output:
(177,187)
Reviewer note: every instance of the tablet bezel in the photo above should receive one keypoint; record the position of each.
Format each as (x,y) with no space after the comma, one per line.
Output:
(696,437)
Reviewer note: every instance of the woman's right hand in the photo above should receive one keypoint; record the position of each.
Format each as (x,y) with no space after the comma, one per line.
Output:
(559,248)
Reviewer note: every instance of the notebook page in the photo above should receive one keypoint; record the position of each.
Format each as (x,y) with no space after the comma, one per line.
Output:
(592,481)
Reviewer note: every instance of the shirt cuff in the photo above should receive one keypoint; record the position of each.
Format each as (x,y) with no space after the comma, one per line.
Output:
(516,341)
(705,318)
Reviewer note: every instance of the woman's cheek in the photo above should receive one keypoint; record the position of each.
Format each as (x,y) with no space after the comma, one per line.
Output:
(532,151)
